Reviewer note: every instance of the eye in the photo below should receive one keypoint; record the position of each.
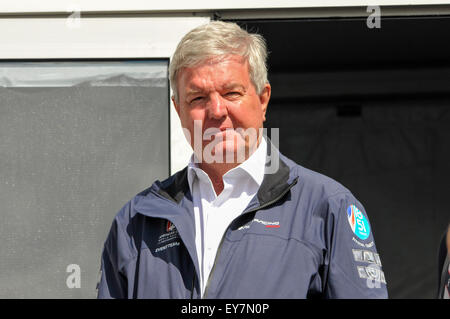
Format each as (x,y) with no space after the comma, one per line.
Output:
(233,94)
(196,99)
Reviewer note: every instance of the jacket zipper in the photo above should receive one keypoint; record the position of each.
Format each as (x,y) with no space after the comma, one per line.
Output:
(223,235)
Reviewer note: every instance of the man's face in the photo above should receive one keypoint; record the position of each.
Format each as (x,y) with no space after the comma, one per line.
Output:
(220,96)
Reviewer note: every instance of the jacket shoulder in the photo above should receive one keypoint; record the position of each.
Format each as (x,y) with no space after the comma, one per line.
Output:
(166,187)
(127,212)
(314,182)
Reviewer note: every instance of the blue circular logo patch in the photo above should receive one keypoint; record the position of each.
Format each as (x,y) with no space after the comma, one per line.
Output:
(358,222)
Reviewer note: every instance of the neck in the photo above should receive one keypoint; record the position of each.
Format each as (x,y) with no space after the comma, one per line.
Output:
(215,172)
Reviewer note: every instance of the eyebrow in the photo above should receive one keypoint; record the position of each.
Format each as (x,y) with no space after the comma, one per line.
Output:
(233,85)
(194,91)
(228,86)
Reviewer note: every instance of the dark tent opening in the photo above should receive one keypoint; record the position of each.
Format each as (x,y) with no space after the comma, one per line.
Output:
(371,109)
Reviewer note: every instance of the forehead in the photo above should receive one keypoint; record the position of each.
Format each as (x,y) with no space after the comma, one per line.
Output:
(223,72)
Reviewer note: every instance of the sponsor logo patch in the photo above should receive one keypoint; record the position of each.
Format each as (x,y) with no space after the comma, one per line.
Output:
(267,224)
(169,226)
(366,256)
(371,272)
(358,222)
(169,238)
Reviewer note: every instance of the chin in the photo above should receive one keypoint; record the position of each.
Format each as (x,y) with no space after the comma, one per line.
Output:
(231,152)
(235,154)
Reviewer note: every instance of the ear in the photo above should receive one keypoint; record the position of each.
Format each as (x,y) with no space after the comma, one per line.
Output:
(177,106)
(264,98)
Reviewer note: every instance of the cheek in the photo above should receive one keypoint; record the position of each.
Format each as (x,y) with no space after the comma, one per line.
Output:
(193,121)
(189,116)
(247,114)
(196,113)
(188,122)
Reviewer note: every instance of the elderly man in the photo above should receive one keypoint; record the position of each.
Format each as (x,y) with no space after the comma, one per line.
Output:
(227,226)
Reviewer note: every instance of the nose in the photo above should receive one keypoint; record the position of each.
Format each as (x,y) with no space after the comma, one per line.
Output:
(217,108)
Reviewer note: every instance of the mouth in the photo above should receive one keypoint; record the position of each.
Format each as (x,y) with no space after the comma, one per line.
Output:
(214,131)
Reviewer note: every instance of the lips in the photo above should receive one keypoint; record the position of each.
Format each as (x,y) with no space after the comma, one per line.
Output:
(212,131)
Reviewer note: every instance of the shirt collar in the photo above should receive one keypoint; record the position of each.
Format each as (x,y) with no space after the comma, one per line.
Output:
(254,167)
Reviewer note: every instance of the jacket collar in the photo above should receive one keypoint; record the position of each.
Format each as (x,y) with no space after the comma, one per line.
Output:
(252,169)
(176,187)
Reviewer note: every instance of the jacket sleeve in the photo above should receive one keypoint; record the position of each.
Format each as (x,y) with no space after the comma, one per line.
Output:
(114,272)
(354,265)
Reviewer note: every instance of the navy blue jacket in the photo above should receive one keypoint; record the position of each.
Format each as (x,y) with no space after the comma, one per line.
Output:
(303,235)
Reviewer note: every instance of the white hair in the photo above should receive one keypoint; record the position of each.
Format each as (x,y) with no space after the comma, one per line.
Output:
(219,39)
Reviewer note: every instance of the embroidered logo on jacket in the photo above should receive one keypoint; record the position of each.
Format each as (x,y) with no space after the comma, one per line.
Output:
(170,226)
(169,238)
(358,222)
(263,222)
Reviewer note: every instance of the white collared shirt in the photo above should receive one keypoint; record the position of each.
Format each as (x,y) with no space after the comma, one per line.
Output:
(213,214)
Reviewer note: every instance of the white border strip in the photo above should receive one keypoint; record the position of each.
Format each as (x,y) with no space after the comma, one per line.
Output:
(27,6)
